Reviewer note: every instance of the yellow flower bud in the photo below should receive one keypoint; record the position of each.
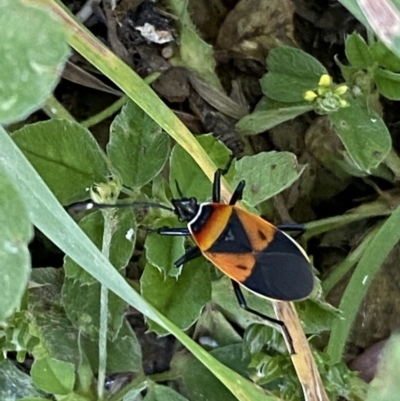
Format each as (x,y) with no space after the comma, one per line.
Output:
(341,90)
(343,103)
(309,96)
(325,80)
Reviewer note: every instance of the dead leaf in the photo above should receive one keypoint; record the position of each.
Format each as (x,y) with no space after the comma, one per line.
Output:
(254,27)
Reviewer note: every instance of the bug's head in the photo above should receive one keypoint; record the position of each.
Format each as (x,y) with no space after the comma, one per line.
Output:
(185,208)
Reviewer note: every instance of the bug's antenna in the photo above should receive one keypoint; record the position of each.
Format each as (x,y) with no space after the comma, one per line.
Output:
(94,205)
(178,189)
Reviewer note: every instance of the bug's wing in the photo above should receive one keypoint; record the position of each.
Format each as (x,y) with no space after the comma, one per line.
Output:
(282,269)
(237,266)
(276,275)
(262,258)
(282,276)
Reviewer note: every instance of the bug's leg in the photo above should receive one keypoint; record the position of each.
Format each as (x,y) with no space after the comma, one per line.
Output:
(216,191)
(297,227)
(238,193)
(190,254)
(242,302)
(216,194)
(175,231)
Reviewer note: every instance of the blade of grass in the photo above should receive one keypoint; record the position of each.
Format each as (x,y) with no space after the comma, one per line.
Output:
(383,16)
(380,207)
(379,248)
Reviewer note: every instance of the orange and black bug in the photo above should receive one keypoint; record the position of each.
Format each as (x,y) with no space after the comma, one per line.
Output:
(252,252)
(255,254)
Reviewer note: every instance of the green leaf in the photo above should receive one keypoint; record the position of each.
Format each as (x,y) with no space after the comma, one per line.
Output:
(125,344)
(134,392)
(84,373)
(214,330)
(317,316)
(33,50)
(347,71)
(291,72)
(186,172)
(338,380)
(58,338)
(182,299)
(163,393)
(259,337)
(15,233)
(15,384)
(196,54)
(277,370)
(163,251)
(16,336)
(66,155)
(275,114)
(122,242)
(138,148)
(388,83)
(82,305)
(385,58)
(53,376)
(33,399)
(289,60)
(357,52)
(266,174)
(201,385)
(363,133)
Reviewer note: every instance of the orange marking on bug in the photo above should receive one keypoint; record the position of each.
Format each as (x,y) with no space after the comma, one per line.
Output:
(258,230)
(237,266)
(213,226)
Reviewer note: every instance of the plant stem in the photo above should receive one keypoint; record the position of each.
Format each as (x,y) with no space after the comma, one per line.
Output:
(344,267)
(109,111)
(139,384)
(54,109)
(108,215)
